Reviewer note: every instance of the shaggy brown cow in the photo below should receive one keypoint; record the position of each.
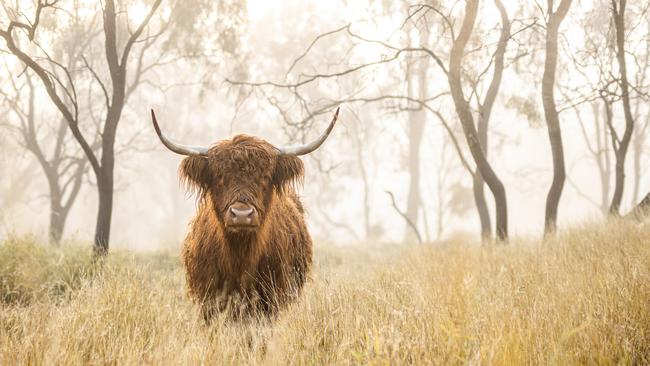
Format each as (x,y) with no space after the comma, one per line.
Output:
(248,250)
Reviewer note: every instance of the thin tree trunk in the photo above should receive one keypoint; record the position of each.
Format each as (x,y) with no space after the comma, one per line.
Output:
(639,140)
(104,212)
(117,65)
(485,111)
(481,206)
(105,181)
(366,185)
(598,152)
(621,151)
(467,120)
(551,114)
(52,169)
(57,221)
(417,70)
(478,182)
(602,159)
(415,132)
(441,180)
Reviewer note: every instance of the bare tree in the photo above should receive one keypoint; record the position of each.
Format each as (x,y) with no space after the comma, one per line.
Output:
(484,112)
(621,144)
(63,167)
(553,21)
(605,48)
(108,86)
(391,53)
(114,97)
(597,146)
(467,119)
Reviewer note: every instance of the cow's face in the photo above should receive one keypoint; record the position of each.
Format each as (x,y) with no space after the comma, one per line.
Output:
(240,176)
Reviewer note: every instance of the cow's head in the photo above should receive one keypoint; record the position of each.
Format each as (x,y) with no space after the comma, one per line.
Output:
(240,176)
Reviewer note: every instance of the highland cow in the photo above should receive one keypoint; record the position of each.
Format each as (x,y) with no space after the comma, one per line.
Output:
(248,250)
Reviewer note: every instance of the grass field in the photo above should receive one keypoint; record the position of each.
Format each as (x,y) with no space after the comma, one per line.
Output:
(581,298)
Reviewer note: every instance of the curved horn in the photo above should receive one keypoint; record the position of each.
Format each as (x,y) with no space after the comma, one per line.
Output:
(175,147)
(309,147)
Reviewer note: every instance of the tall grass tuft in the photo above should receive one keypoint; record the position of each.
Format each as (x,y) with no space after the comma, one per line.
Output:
(580,298)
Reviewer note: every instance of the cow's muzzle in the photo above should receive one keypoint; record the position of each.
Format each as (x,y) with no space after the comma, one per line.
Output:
(242,216)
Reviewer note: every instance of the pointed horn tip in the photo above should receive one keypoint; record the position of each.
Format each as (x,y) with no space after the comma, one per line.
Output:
(155,122)
(334,119)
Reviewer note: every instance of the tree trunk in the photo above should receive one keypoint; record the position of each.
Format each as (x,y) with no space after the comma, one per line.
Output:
(417,70)
(118,68)
(601,155)
(478,182)
(485,110)
(364,179)
(639,140)
(104,213)
(467,120)
(57,222)
(481,206)
(105,180)
(415,130)
(551,114)
(621,151)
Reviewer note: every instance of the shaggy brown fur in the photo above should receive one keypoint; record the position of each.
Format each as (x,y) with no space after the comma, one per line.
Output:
(243,272)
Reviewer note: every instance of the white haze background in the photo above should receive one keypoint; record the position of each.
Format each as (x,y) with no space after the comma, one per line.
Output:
(152,210)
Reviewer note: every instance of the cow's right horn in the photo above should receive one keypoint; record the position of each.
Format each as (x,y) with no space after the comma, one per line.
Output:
(176,147)
(309,147)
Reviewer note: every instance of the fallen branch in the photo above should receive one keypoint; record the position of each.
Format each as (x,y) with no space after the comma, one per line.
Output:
(641,210)
(408,221)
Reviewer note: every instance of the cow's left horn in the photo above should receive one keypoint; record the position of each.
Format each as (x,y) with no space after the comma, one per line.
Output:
(176,147)
(309,147)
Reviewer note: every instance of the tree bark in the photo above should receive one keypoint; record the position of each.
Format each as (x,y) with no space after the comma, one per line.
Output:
(57,221)
(551,114)
(104,213)
(485,110)
(467,120)
(621,151)
(481,206)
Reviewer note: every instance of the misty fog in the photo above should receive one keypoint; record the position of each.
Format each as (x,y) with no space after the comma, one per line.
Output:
(277,70)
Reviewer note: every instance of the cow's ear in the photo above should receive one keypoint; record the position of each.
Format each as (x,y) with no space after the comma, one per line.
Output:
(195,174)
(288,171)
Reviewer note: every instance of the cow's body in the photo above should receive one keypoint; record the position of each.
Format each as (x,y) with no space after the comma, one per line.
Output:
(244,273)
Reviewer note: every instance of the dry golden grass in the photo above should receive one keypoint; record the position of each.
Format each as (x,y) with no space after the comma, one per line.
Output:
(582,298)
